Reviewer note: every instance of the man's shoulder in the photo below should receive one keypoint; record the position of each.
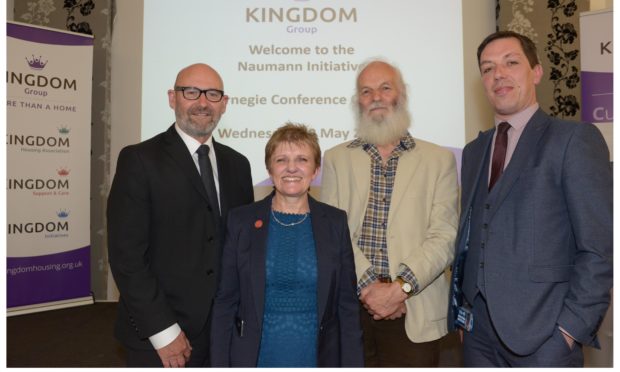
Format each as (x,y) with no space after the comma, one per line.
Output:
(423,145)
(146,145)
(560,130)
(340,148)
(340,155)
(479,140)
(567,125)
(250,211)
(223,150)
(431,151)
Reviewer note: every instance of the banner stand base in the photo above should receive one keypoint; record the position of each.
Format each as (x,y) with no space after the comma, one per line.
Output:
(35,308)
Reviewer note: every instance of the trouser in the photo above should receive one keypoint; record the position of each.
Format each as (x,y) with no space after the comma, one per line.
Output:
(386,345)
(482,347)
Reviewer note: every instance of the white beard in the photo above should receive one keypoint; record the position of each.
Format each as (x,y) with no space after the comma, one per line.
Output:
(389,129)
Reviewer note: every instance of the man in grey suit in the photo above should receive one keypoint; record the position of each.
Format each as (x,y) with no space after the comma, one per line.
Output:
(533,265)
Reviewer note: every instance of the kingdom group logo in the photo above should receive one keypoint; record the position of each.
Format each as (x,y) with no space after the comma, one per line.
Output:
(36,63)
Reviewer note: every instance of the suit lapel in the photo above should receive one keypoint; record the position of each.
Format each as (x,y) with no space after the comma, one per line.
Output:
(223,176)
(173,145)
(258,255)
(361,174)
(320,230)
(407,166)
(470,180)
(524,151)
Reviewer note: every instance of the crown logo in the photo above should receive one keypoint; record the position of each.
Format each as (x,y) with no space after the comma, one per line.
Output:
(63,171)
(64,130)
(36,63)
(62,213)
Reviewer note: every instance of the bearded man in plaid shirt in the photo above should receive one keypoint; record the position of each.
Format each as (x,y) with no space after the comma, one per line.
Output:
(400,195)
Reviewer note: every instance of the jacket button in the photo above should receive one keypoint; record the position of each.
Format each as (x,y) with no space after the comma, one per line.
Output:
(210,239)
(487,206)
(482,265)
(482,245)
(485,225)
(209,272)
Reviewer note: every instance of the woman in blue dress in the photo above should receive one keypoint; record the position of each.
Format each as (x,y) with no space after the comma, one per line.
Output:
(287,292)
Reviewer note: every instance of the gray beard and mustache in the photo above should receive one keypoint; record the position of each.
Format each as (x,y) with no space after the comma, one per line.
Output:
(389,129)
(193,128)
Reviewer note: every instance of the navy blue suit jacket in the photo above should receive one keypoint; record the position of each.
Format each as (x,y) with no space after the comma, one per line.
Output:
(241,292)
(548,254)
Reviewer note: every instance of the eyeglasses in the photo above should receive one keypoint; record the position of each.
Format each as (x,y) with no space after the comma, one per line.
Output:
(193,93)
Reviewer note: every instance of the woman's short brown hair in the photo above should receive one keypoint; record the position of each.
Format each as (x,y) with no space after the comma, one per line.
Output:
(298,134)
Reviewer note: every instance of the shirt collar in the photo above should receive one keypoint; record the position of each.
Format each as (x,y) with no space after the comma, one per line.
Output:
(191,143)
(406,143)
(520,119)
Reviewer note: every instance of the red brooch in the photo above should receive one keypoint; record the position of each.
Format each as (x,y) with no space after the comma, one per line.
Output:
(258,224)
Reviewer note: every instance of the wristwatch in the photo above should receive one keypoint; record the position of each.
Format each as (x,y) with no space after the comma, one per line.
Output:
(405,286)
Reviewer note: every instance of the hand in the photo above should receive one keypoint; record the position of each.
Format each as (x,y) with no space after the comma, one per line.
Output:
(382,299)
(402,310)
(176,353)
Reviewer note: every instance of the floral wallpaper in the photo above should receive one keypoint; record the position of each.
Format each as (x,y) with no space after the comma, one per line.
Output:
(85,8)
(562,53)
(554,26)
(38,12)
(93,17)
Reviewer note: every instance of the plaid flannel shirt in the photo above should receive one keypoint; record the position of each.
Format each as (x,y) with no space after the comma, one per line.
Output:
(372,240)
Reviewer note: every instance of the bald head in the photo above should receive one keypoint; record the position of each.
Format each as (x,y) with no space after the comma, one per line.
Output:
(198,117)
(199,75)
(382,70)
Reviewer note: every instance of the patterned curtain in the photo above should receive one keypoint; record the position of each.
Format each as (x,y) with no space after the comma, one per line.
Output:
(554,26)
(93,17)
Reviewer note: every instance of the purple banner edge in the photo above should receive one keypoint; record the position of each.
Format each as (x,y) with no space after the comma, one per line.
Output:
(46,36)
(28,289)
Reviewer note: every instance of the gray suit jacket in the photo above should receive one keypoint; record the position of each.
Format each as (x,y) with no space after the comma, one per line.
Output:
(548,254)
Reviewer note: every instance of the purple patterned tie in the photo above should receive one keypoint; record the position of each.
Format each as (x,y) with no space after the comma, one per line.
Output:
(499,153)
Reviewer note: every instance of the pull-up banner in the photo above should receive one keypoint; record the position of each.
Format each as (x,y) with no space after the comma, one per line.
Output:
(597,71)
(49,81)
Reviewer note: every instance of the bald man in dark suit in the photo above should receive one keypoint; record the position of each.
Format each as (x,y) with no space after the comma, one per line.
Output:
(165,229)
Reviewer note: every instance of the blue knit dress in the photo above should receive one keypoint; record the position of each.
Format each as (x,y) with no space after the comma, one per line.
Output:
(289,336)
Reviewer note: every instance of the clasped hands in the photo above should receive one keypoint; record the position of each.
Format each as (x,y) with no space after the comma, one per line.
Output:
(384,300)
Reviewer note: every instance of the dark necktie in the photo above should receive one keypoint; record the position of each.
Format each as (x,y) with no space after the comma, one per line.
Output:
(499,153)
(206,172)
